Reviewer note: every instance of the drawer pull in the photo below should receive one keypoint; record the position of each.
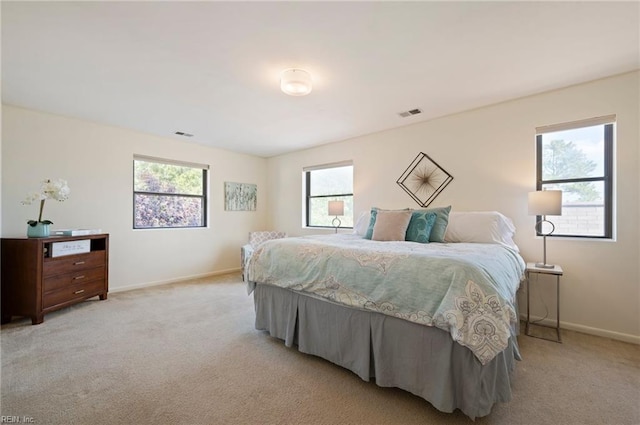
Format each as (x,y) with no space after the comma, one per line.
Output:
(78,277)
(79,292)
(78,263)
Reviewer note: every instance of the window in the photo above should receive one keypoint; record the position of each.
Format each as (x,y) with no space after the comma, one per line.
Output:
(326,183)
(577,158)
(168,193)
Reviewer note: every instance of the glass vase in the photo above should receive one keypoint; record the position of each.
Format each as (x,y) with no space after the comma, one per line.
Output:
(40,230)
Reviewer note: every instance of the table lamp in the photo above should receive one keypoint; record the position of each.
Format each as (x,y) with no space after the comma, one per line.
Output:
(336,208)
(544,203)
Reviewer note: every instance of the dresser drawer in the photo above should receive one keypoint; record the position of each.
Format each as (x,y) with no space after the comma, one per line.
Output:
(73,278)
(74,292)
(35,283)
(72,263)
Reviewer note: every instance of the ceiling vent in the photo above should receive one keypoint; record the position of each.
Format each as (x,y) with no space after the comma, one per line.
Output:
(182,133)
(410,113)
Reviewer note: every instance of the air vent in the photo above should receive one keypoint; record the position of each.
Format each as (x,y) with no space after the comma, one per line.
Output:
(410,113)
(182,133)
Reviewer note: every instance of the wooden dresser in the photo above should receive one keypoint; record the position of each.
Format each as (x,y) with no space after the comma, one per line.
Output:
(35,281)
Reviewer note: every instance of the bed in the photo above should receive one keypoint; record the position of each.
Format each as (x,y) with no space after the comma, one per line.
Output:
(436,318)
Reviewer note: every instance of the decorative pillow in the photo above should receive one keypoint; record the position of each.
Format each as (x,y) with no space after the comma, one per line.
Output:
(440,225)
(362,224)
(481,227)
(372,220)
(391,225)
(420,226)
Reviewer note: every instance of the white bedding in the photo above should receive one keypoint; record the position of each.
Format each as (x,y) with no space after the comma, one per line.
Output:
(467,289)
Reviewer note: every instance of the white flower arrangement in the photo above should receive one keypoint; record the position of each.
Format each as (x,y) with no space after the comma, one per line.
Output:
(50,189)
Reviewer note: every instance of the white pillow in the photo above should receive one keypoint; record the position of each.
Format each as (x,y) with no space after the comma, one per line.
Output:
(362,224)
(480,227)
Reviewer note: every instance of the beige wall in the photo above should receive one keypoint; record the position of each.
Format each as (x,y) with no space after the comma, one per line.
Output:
(489,151)
(97,161)
(491,154)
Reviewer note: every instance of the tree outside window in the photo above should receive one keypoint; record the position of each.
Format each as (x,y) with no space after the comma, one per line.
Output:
(579,162)
(168,194)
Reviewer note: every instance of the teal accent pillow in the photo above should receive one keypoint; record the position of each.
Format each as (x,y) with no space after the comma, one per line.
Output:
(372,223)
(440,226)
(420,226)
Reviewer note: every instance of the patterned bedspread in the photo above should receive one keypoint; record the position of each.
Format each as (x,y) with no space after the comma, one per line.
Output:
(466,289)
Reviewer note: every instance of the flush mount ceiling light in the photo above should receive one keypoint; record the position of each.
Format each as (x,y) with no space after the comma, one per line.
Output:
(295,82)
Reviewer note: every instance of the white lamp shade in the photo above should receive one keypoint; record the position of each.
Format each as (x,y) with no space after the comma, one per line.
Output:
(545,202)
(336,208)
(295,82)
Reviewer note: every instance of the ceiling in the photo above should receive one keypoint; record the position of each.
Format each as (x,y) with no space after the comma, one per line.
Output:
(212,69)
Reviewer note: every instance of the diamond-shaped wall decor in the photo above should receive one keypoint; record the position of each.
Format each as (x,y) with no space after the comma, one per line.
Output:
(424,179)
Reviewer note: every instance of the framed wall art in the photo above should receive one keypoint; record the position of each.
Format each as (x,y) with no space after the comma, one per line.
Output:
(424,179)
(240,196)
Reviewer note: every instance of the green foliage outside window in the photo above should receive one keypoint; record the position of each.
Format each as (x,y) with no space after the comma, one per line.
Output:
(579,162)
(168,195)
(329,184)
(563,160)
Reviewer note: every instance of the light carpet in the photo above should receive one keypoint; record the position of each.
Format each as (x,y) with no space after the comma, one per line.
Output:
(188,353)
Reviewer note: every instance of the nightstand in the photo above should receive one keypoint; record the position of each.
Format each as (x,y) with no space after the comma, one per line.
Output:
(557,272)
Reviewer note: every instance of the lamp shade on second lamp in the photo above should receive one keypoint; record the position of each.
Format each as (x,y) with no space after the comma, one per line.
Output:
(545,202)
(336,208)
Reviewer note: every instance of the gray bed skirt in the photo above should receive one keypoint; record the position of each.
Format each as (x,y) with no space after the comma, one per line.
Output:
(422,360)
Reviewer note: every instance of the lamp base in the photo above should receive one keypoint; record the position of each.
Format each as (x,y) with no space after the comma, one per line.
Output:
(336,223)
(545,266)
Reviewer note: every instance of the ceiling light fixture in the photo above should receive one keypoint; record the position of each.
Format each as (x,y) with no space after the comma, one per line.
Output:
(295,82)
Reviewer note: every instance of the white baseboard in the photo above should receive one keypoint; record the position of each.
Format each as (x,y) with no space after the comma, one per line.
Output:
(634,339)
(166,282)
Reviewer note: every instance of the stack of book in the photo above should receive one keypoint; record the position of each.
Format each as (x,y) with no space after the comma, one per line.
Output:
(75,232)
